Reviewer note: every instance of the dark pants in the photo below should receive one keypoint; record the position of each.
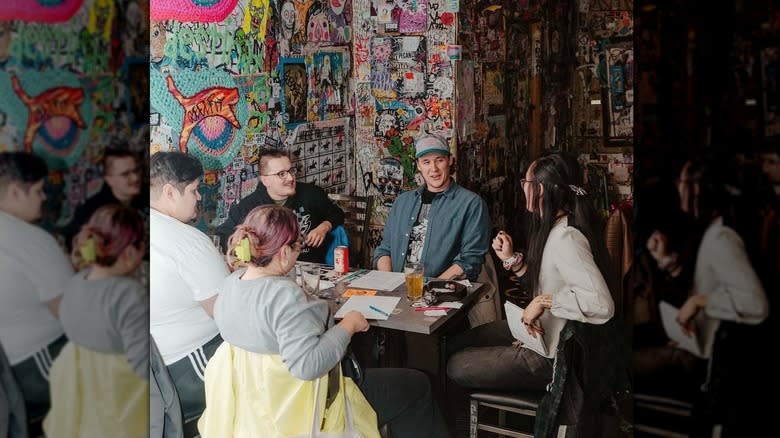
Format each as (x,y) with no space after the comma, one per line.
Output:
(484,358)
(402,399)
(187,375)
(32,377)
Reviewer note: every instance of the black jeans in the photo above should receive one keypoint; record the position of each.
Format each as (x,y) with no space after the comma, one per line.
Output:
(402,399)
(484,358)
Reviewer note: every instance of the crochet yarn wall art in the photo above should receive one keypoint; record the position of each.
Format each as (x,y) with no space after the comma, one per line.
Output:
(51,111)
(199,11)
(207,111)
(41,11)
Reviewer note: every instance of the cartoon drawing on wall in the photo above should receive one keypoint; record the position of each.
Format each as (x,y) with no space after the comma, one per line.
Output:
(205,112)
(412,15)
(327,79)
(157,39)
(339,15)
(493,92)
(256,19)
(385,121)
(51,111)
(294,83)
(389,179)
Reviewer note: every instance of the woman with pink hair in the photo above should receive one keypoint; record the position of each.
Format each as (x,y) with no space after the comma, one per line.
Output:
(99,383)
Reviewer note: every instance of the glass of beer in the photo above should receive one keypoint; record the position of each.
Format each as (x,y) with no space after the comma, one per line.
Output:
(413,271)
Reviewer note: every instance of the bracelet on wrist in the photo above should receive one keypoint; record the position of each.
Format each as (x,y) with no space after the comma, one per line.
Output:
(511,262)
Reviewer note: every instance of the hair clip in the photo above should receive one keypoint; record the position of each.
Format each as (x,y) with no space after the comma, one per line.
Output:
(243,253)
(579,191)
(88,251)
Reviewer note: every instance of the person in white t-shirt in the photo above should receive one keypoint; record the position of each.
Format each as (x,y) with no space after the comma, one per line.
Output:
(186,272)
(33,270)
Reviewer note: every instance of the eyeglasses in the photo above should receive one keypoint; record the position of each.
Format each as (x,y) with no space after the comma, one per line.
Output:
(127,173)
(282,174)
(298,244)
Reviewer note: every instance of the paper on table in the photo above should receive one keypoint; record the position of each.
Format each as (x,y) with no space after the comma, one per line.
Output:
(514,316)
(700,343)
(378,280)
(362,303)
(357,292)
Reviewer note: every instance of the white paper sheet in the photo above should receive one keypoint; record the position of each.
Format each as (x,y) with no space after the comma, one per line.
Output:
(363,304)
(700,343)
(378,280)
(514,316)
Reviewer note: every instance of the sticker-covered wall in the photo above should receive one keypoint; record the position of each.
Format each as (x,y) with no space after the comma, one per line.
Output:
(344,86)
(70,85)
(536,76)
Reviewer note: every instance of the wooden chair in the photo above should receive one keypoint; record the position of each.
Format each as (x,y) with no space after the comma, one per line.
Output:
(357,215)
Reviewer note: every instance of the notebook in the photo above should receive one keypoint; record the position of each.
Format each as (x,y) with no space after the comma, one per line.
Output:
(514,317)
(700,343)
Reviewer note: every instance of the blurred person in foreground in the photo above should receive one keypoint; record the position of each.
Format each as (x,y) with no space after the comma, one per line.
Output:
(33,271)
(100,381)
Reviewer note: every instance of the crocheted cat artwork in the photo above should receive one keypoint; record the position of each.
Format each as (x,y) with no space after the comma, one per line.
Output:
(211,102)
(43,108)
(41,11)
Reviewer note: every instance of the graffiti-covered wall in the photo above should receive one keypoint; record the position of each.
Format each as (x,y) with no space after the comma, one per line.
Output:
(70,84)
(536,76)
(235,76)
(344,86)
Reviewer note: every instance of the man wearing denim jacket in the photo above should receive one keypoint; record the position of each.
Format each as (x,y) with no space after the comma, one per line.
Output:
(441,224)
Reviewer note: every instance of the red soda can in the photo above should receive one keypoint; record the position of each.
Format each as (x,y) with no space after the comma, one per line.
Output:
(341,259)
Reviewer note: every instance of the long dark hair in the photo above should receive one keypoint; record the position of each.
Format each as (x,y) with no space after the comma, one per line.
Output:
(561,178)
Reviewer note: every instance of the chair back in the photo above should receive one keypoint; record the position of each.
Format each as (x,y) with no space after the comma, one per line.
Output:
(165,420)
(357,215)
(13,419)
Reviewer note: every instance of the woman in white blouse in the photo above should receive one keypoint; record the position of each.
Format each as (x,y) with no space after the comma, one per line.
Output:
(566,267)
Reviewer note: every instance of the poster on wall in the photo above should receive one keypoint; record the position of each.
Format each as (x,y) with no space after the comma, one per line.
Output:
(319,151)
(328,72)
(294,84)
(620,90)
(398,66)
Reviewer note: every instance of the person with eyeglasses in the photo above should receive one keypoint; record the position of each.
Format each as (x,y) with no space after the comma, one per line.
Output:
(279,343)
(122,181)
(317,215)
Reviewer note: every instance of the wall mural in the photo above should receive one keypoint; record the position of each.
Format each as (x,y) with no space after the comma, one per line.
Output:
(65,91)
(305,76)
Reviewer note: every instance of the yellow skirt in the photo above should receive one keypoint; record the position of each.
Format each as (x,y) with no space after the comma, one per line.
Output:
(95,395)
(254,395)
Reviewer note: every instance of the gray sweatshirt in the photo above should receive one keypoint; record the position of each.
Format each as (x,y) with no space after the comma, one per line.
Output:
(271,315)
(108,315)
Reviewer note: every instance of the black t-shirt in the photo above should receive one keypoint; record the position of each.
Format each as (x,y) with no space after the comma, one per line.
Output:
(420,229)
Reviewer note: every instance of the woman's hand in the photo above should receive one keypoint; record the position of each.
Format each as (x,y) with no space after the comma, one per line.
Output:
(503,246)
(688,311)
(533,311)
(354,322)
(657,245)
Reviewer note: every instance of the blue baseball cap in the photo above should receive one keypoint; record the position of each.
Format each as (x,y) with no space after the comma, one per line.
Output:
(431,143)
